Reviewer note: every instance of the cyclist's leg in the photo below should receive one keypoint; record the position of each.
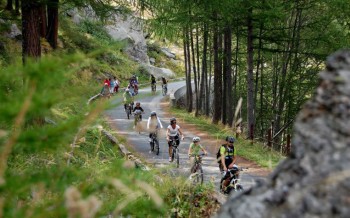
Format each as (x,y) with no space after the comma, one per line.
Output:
(170,150)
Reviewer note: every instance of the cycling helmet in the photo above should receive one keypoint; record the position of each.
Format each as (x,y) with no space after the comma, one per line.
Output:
(230,139)
(126,90)
(172,120)
(153,113)
(138,103)
(196,139)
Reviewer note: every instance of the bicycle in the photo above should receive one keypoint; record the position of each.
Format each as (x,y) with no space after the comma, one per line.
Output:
(164,89)
(154,87)
(234,184)
(128,109)
(154,143)
(175,152)
(137,120)
(197,170)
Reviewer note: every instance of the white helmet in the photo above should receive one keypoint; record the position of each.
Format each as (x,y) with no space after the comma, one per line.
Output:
(196,139)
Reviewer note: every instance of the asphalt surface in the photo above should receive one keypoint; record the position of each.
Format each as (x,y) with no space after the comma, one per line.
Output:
(138,142)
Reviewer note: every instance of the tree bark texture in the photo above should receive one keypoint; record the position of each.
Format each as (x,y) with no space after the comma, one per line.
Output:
(189,92)
(9,5)
(217,101)
(203,84)
(250,77)
(30,29)
(228,110)
(52,23)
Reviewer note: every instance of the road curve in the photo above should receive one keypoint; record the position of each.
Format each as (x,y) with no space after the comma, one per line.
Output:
(139,144)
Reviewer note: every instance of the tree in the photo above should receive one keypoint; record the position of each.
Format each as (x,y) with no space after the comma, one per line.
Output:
(9,5)
(30,29)
(52,24)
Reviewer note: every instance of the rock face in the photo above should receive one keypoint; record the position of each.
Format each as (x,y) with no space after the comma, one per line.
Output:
(128,28)
(315,180)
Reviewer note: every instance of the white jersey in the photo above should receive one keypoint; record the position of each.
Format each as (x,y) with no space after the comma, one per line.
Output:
(154,123)
(173,132)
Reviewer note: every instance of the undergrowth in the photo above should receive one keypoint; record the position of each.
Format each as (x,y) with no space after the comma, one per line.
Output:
(55,161)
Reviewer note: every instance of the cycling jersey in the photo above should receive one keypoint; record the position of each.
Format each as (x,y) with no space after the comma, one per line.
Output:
(154,123)
(195,149)
(227,151)
(173,132)
(138,110)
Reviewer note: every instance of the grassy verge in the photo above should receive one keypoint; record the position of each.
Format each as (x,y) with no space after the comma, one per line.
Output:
(256,152)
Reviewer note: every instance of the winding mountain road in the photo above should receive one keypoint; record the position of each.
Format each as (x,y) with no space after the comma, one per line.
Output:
(139,144)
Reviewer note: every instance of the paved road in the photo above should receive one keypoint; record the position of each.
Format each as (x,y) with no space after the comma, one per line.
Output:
(139,142)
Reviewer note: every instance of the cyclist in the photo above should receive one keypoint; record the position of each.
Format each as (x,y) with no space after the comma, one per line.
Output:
(164,83)
(138,110)
(128,98)
(194,149)
(228,160)
(153,124)
(173,131)
(153,82)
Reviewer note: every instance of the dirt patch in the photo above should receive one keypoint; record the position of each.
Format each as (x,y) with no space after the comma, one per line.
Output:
(212,144)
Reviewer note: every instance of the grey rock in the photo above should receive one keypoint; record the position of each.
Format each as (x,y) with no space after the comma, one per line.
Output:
(15,32)
(168,53)
(314,180)
(152,61)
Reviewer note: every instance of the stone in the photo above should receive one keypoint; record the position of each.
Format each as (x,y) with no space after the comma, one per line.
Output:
(314,180)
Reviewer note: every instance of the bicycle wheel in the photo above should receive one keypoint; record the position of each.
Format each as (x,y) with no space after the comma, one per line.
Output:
(157,146)
(177,158)
(152,145)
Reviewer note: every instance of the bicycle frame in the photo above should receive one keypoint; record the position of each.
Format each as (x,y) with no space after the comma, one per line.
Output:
(196,170)
(175,151)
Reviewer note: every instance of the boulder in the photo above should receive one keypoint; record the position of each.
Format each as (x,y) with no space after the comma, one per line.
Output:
(15,32)
(128,28)
(159,72)
(168,53)
(314,181)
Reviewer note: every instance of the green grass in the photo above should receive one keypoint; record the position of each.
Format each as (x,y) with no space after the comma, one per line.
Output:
(43,168)
(256,151)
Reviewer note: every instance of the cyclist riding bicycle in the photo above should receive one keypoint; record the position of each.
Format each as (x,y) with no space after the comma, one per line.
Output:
(138,110)
(128,98)
(172,133)
(153,124)
(228,160)
(153,79)
(194,149)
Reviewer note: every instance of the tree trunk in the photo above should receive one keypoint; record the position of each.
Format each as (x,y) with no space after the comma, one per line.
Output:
(202,98)
(188,71)
(9,5)
(43,21)
(17,6)
(217,101)
(250,77)
(228,110)
(30,29)
(52,23)
(194,72)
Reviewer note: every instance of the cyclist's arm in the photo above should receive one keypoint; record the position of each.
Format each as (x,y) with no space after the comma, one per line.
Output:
(167,134)
(205,152)
(222,153)
(190,150)
(179,130)
(148,122)
(160,123)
